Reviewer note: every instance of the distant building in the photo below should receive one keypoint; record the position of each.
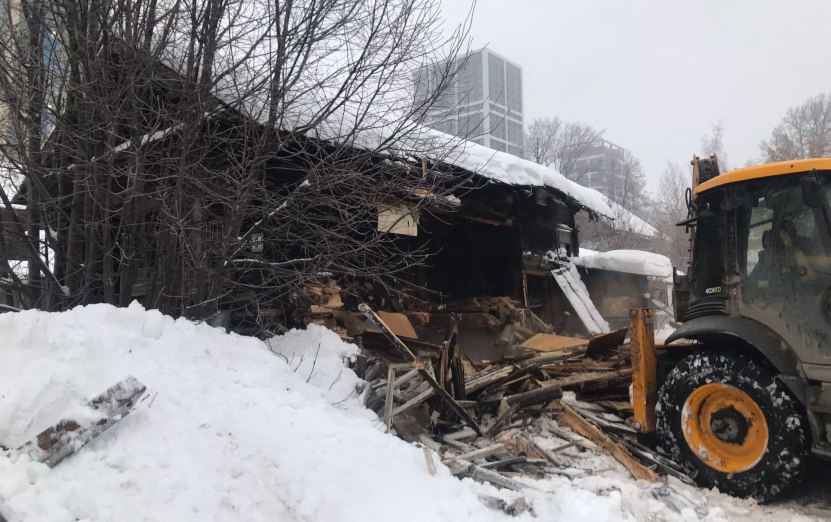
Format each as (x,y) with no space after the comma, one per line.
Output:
(594,167)
(483,102)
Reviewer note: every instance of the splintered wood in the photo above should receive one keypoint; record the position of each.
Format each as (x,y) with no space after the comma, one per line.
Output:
(67,436)
(492,424)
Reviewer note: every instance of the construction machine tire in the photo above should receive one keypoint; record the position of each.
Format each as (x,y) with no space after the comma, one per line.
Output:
(733,425)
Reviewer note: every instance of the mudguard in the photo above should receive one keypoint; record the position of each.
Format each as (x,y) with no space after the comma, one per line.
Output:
(712,329)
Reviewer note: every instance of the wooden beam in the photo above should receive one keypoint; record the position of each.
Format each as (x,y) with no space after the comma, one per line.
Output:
(644,369)
(575,421)
(476,454)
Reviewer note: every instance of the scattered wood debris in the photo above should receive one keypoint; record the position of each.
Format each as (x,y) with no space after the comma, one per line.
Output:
(495,421)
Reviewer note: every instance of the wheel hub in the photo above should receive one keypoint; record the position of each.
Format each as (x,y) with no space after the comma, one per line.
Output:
(724,427)
(729,425)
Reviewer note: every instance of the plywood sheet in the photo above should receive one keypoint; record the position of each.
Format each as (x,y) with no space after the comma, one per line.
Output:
(543,342)
(398,324)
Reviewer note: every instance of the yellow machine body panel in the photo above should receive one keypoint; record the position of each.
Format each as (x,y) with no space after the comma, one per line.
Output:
(764,171)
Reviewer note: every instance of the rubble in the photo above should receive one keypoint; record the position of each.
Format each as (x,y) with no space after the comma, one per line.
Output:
(486,420)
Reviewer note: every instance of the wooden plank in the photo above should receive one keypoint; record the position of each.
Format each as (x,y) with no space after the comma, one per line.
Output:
(585,378)
(601,346)
(476,454)
(575,421)
(399,324)
(388,401)
(644,366)
(553,357)
(451,402)
(428,456)
(538,396)
(504,462)
(388,333)
(582,305)
(67,436)
(503,419)
(545,342)
(415,401)
(480,474)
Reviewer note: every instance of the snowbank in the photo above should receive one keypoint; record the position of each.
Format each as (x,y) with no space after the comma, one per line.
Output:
(629,261)
(229,430)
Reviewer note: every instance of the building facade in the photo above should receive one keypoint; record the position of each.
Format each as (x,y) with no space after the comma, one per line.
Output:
(483,101)
(594,167)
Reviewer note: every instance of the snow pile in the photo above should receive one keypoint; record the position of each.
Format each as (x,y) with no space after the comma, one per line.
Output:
(629,261)
(228,431)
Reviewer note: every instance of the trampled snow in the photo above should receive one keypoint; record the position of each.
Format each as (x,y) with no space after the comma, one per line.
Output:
(234,429)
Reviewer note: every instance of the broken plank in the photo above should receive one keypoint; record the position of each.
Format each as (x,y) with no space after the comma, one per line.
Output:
(428,456)
(480,474)
(397,343)
(477,454)
(606,344)
(415,401)
(451,402)
(510,461)
(578,296)
(553,357)
(399,324)
(545,342)
(586,378)
(503,419)
(575,421)
(464,433)
(67,436)
(388,401)
(537,396)
(553,459)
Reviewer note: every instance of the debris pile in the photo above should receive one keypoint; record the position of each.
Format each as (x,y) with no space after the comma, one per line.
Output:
(488,420)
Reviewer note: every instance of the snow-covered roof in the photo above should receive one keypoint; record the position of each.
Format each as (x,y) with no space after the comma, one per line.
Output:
(629,261)
(513,170)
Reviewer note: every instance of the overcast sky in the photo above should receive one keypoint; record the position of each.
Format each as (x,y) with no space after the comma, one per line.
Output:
(657,74)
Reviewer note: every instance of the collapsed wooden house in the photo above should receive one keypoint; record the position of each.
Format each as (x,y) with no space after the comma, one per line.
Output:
(497,238)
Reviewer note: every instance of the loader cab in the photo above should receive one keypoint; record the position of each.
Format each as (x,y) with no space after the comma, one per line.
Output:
(762,251)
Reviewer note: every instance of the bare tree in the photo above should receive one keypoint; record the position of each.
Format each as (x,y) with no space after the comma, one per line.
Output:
(219,153)
(671,208)
(804,132)
(558,144)
(625,181)
(713,143)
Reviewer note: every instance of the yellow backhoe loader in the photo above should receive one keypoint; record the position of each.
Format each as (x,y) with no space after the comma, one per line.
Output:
(741,393)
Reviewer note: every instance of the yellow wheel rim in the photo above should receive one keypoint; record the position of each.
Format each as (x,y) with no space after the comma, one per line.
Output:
(724,427)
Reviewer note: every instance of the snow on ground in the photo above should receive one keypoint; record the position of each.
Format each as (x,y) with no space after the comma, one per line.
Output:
(234,429)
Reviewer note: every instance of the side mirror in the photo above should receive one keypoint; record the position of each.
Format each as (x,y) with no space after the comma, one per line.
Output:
(811,192)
